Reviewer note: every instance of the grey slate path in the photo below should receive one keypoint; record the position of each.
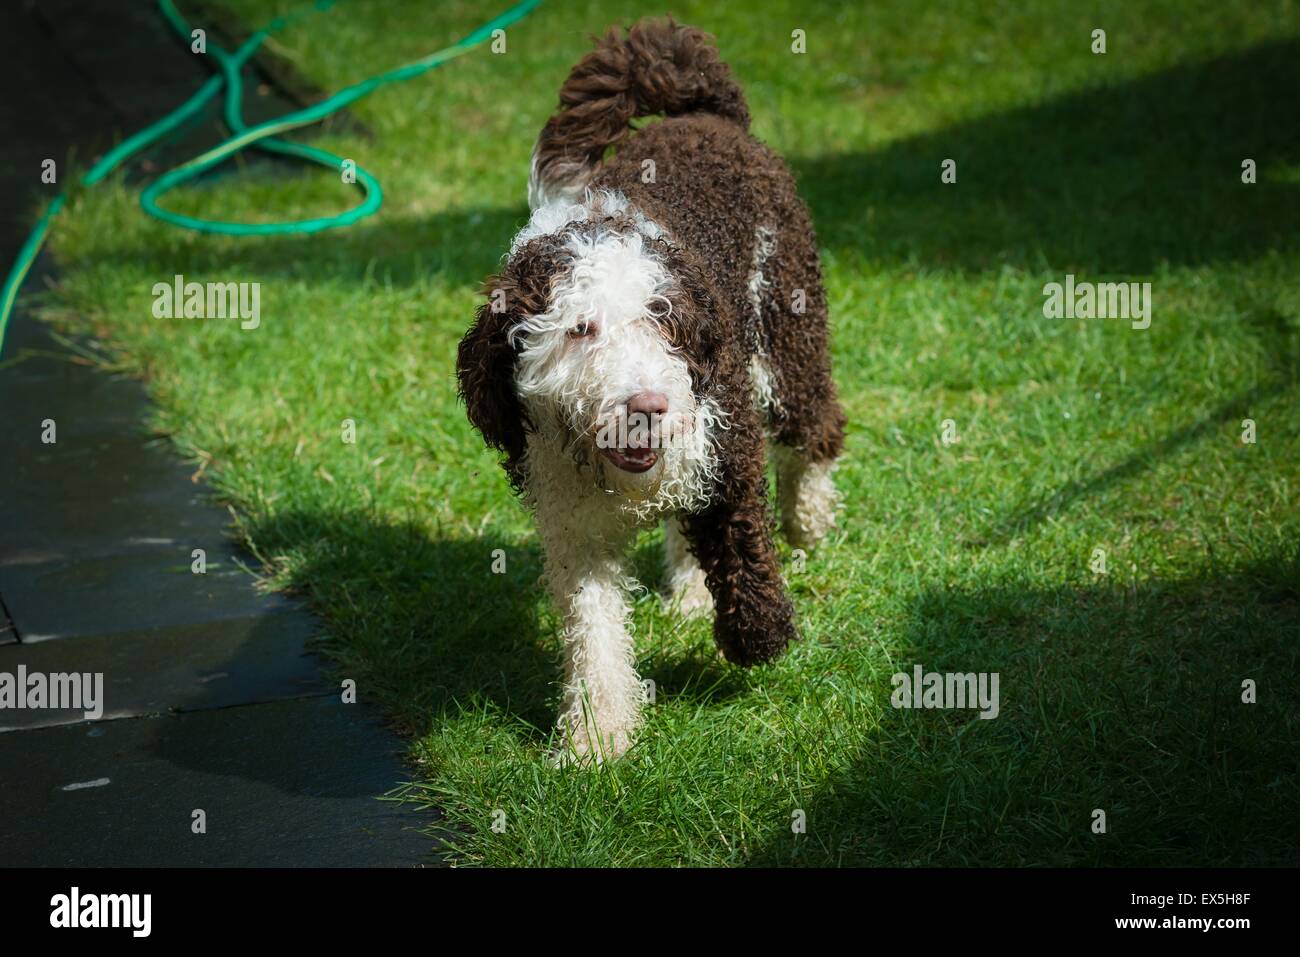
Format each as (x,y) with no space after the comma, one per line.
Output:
(139,589)
(284,784)
(212,699)
(189,668)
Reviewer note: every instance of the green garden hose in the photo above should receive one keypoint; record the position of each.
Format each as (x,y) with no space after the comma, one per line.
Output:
(261,136)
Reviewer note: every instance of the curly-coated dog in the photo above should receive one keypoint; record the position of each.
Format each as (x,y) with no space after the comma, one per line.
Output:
(659,319)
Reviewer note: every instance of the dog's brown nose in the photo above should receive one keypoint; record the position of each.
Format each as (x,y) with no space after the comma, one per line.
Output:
(648,403)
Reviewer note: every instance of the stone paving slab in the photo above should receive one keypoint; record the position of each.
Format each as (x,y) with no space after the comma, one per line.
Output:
(117,495)
(105,487)
(88,400)
(151,588)
(290,783)
(151,506)
(185,668)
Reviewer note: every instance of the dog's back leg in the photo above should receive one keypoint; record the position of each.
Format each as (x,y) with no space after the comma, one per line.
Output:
(804,413)
(686,586)
(807,494)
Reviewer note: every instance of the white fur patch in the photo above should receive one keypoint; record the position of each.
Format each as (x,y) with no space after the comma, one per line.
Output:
(764,246)
(760,369)
(760,376)
(565,184)
(556,213)
(807,496)
(601,706)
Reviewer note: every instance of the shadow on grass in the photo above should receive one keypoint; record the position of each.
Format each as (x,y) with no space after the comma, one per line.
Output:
(461,247)
(426,627)
(1110,180)
(422,625)
(1127,700)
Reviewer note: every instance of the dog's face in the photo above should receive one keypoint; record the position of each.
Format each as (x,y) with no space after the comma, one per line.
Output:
(595,346)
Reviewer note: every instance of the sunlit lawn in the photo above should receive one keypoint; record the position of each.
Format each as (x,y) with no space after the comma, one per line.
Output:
(1120,691)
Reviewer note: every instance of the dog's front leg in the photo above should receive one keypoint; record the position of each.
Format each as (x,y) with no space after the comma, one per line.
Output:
(733,542)
(602,693)
(601,707)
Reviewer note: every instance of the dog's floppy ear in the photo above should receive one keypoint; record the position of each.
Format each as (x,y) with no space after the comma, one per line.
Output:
(485,370)
(695,323)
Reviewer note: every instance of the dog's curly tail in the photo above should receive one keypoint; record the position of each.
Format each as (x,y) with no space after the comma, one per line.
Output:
(658,66)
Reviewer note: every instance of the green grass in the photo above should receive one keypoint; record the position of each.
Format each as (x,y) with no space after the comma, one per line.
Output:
(1119,691)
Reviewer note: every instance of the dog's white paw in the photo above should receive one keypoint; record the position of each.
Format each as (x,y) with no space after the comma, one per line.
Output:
(808,499)
(689,594)
(581,750)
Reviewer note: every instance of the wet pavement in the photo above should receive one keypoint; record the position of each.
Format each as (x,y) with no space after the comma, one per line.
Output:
(214,710)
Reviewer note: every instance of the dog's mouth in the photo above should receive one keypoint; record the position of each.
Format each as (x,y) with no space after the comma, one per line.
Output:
(631,445)
(635,460)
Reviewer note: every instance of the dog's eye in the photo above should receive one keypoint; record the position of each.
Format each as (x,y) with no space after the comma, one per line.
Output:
(583,330)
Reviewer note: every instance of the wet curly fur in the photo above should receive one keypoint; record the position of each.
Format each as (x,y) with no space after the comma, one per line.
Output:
(679,274)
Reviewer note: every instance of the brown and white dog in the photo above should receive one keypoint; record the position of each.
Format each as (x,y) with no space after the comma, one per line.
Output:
(658,319)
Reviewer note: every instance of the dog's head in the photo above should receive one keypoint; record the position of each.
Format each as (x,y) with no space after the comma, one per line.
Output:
(596,347)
